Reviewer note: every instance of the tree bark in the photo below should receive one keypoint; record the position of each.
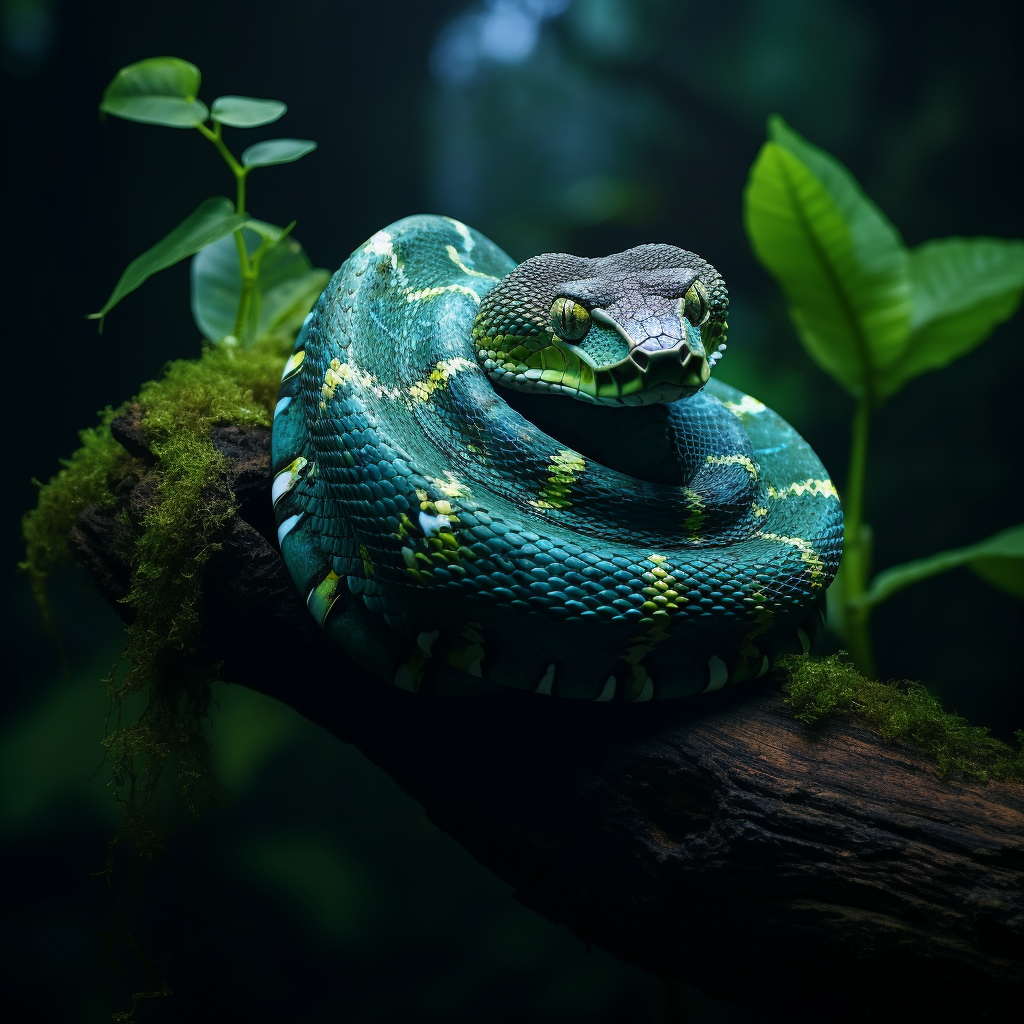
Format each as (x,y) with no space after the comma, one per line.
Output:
(716,841)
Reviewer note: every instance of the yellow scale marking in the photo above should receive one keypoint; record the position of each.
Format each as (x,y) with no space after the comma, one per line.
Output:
(662,600)
(695,520)
(566,465)
(453,255)
(429,293)
(824,488)
(735,460)
(437,379)
(450,486)
(293,364)
(747,406)
(810,557)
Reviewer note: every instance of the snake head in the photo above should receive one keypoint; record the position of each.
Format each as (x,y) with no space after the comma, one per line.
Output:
(636,328)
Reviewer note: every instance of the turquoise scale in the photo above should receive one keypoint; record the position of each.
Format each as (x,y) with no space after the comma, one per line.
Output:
(449,545)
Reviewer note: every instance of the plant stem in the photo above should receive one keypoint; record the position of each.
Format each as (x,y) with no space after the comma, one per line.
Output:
(248,273)
(857,545)
(240,172)
(246,269)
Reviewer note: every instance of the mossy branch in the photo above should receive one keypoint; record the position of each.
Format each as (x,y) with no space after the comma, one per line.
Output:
(728,814)
(822,689)
(175,527)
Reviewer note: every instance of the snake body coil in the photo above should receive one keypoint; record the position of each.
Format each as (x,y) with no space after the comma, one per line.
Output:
(662,536)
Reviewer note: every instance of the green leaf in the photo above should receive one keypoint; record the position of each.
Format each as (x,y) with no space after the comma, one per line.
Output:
(246,112)
(276,151)
(962,288)
(211,220)
(287,284)
(160,90)
(999,559)
(839,261)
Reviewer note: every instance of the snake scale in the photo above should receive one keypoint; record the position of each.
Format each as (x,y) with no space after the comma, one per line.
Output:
(662,535)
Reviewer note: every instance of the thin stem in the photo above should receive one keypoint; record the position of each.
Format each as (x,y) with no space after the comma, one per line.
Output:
(857,545)
(246,268)
(248,274)
(214,135)
(240,190)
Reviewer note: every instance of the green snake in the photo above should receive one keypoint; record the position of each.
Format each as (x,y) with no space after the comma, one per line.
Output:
(456,523)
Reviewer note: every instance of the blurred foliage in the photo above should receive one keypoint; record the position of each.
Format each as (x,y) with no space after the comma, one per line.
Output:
(587,126)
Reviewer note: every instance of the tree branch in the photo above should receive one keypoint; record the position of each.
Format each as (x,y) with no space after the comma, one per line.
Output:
(715,841)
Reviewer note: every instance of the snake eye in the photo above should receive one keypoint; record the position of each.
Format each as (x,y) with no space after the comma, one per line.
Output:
(569,320)
(696,307)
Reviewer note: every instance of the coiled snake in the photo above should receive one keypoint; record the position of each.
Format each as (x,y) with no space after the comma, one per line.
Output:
(662,536)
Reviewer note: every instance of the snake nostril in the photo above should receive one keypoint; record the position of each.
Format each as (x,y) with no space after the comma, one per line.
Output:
(640,358)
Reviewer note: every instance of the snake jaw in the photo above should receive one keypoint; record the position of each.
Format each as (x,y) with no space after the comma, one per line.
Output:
(670,367)
(664,365)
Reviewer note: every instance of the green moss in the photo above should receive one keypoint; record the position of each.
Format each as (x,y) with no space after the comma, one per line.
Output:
(88,478)
(181,529)
(824,688)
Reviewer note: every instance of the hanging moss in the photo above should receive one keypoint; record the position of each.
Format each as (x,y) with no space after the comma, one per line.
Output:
(823,688)
(89,477)
(180,530)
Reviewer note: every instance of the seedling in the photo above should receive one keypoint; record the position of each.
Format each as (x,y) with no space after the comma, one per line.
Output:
(249,278)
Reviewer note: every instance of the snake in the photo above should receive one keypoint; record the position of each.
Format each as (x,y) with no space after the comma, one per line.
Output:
(491,475)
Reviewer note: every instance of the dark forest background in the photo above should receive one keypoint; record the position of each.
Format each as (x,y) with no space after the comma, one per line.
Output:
(320,891)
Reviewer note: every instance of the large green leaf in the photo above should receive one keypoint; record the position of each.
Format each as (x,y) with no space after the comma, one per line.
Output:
(160,90)
(287,284)
(211,220)
(839,261)
(962,288)
(999,559)
(276,151)
(246,112)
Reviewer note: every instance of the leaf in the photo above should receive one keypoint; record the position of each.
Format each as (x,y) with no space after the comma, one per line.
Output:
(160,90)
(962,288)
(276,151)
(246,112)
(287,285)
(211,220)
(999,559)
(839,261)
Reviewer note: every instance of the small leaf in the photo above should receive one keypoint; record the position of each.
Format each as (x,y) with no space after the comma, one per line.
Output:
(999,559)
(962,288)
(246,112)
(211,220)
(286,287)
(160,90)
(276,151)
(839,261)
(270,233)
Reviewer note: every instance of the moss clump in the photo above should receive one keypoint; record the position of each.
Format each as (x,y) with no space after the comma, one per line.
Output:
(823,688)
(181,528)
(88,478)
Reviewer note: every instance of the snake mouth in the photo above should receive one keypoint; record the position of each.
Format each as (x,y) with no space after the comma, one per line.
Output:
(679,365)
(676,366)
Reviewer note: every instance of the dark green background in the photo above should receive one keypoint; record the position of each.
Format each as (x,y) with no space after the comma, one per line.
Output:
(320,891)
